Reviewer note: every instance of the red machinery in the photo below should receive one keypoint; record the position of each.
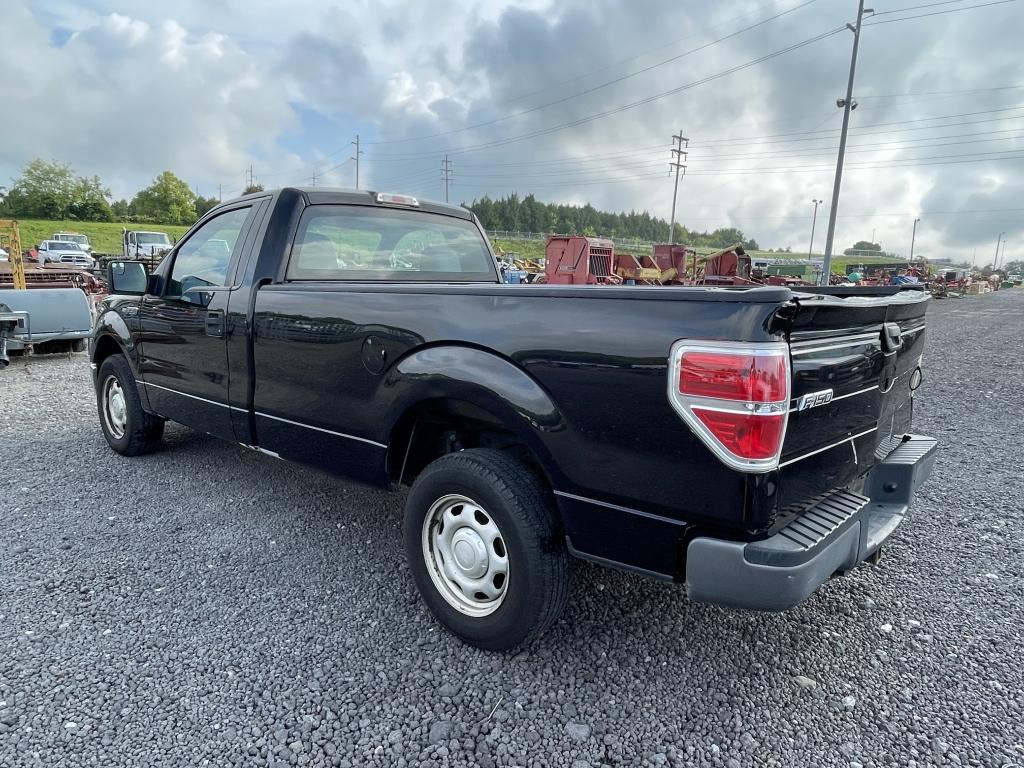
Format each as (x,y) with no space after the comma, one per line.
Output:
(578,260)
(730,266)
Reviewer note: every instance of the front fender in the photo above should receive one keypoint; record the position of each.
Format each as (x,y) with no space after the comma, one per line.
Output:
(112,327)
(482,378)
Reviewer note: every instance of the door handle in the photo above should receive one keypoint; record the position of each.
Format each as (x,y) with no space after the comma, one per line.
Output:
(215,323)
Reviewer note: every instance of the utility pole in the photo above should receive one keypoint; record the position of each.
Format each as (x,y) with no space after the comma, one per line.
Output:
(996,262)
(446,175)
(872,235)
(314,177)
(678,158)
(220,192)
(913,237)
(251,178)
(356,158)
(814,220)
(847,106)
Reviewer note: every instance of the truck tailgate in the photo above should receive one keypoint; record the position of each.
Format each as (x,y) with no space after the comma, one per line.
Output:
(856,362)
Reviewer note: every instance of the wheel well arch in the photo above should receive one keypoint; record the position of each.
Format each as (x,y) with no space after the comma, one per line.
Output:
(105,346)
(434,427)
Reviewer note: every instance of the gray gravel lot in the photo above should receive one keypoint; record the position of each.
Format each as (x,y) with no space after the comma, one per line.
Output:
(211,606)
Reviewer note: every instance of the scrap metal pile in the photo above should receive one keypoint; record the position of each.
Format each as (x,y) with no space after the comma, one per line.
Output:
(579,260)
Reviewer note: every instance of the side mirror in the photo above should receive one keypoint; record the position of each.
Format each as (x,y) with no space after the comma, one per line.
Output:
(126,277)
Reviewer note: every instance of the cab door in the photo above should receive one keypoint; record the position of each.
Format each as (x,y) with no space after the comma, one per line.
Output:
(183,359)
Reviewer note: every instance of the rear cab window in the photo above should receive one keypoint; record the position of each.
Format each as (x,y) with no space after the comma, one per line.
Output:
(356,242)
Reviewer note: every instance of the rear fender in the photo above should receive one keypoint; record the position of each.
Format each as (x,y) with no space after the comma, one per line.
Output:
(492,383)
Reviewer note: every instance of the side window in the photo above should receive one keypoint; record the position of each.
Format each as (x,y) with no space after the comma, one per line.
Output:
(203,259)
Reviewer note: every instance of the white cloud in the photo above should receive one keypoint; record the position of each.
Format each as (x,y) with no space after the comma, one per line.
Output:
(206,88)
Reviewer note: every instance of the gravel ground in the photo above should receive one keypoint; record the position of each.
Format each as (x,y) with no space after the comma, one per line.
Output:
(211,606)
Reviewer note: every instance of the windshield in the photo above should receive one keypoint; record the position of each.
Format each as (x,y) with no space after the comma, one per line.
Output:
(60,245)
(152,238)
(80,239)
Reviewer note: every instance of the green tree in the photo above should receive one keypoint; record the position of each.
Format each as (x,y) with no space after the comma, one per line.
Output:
(168,200)
(90,200)
(121,210)
(861,246)
(528,214)
(253,188)
(43,191)
(205,204)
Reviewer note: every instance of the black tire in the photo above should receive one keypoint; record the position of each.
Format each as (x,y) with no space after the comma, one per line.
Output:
(141,432)
(78,345)
(522,507)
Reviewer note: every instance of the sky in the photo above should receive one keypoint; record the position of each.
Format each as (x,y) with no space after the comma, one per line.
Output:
(575,101)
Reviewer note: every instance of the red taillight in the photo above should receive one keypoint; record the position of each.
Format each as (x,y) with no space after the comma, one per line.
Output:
(744,434)
(735,397)
(746,377)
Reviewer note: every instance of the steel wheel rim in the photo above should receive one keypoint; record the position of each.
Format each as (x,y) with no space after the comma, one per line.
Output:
(465,555)
(115,409)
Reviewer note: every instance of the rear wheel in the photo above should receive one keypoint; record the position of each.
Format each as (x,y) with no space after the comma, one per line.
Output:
(484,547)
(128,429)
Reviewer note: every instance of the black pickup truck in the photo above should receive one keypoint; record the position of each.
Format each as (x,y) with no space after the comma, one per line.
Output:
(748,443)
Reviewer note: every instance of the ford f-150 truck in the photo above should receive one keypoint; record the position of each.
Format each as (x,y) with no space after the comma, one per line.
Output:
(748,443)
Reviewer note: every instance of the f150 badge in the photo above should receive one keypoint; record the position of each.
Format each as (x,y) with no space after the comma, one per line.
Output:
(814,399)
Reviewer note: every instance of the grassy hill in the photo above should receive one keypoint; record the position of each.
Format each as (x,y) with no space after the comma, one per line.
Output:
(104,236)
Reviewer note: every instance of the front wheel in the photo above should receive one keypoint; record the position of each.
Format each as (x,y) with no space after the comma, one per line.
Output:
(485,549)
(128,429)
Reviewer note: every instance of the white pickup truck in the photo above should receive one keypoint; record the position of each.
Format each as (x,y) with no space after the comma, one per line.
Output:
(74,237)
(138,244)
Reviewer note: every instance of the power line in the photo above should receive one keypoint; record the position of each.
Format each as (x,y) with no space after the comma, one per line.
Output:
(917,7)
(779,154)
(935,13)
(748,139)
(564,159)
(898,163)
(598,87)
(619,62)
(622,108)
(640,102)
(867,215)
(939,93)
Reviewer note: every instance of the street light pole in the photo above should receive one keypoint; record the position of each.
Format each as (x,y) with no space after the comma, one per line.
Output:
(814,220)
(847,105)
(996,262)
(913,237)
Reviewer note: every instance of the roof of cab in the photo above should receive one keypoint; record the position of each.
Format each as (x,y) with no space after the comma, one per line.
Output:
(342,196)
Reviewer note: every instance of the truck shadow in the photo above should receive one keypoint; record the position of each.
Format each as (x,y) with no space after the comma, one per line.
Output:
(318,521)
